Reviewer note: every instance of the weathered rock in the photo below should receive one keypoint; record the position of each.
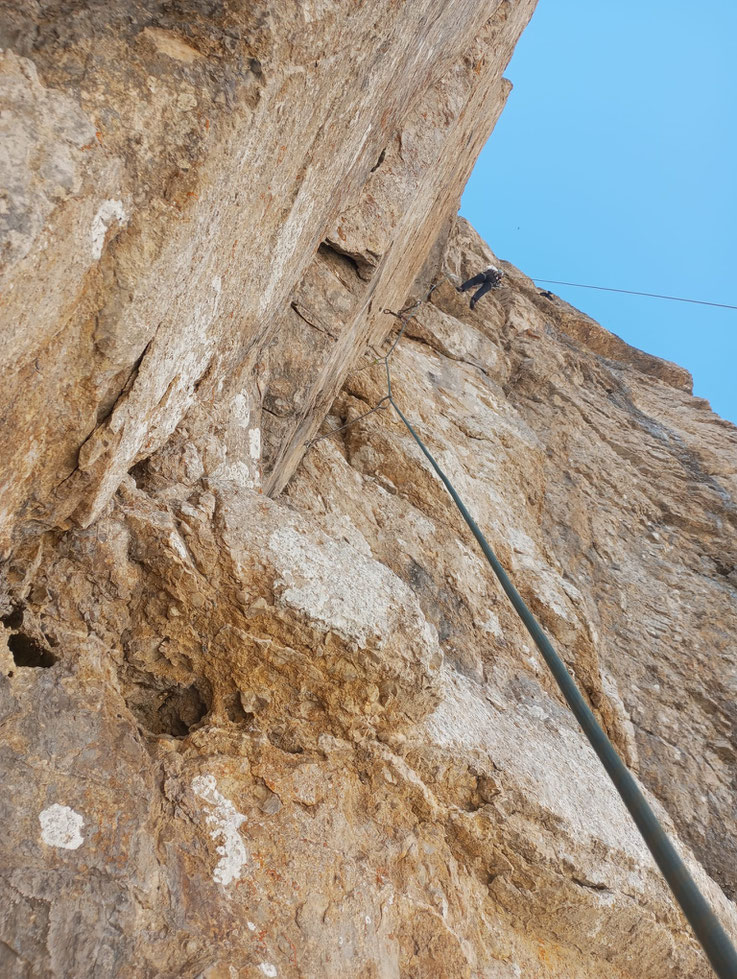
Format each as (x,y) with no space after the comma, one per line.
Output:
(192,157)
(606,490)
(299,732)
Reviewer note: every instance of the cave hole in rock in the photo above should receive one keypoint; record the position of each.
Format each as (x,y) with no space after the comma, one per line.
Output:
(141,474)
(174,711)
(138,473)
(28,652)
(14,619)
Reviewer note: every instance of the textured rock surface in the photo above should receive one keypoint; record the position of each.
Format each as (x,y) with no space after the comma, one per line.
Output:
(191,157)
(299,732)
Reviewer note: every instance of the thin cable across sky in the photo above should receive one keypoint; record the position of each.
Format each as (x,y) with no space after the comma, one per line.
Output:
(632,292)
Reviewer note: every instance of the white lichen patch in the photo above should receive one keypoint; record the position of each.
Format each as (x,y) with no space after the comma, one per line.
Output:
(268,969)
(237,472)
(556,764)
(363,602)
(178,545)
(109,211)
(225,821)
(241,410)
(254,444)
(491,624)
(62,827)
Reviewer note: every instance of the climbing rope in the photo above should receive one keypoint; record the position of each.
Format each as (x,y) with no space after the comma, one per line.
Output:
(713,938)
(631,292)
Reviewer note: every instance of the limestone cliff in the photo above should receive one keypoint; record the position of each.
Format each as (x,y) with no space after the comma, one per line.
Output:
(263,711)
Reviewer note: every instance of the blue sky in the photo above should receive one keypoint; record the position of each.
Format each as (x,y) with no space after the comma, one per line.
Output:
(615,164)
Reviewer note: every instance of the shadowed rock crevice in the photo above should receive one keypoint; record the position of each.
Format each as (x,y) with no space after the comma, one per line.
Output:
(352,261)
(174,710)
(382,157)
(27,651)
(27,644)
(13,619)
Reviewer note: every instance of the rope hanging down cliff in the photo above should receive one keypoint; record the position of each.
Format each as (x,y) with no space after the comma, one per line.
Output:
(714,940)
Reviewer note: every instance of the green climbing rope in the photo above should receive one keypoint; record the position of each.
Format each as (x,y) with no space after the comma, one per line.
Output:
(714,940)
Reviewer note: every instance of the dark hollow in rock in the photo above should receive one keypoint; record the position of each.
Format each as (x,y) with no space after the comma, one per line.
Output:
(382,157)
(236,712)
(28,652)
(14,619)
(174,711)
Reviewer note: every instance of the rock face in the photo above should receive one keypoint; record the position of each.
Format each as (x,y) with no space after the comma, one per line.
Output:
(192,157)
(264,711)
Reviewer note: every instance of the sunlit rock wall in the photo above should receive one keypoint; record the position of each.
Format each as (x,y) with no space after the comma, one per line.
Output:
(263,710)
